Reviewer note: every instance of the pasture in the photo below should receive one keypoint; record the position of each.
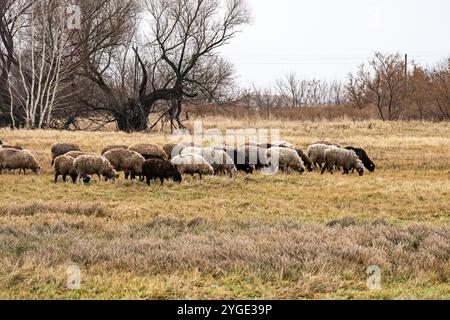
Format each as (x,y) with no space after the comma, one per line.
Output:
(251,237)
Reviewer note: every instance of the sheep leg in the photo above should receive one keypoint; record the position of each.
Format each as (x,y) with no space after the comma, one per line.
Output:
(200,175)
(148,180)
(74,178)
(322,171)
(162,181)
(64,178)
(56,177)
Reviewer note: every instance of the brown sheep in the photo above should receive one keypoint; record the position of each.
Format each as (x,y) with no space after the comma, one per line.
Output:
(130,162)
(160,169)
(59,149)
(150,151)
(309,165)
(94,165)
(112,147)
(12,159)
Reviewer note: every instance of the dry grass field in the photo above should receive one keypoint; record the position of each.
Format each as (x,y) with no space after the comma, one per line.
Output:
(255,237)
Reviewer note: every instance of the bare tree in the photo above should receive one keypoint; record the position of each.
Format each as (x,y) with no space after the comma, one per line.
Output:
(292,90)
(384,84)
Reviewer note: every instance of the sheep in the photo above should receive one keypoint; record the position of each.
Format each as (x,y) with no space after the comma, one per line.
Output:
(285,159)
(255,156)
(150,151)
(339,157)
(238,158)
(12,159)
(309,165)
(63,166)
(59,149)
(316,152)
(192,164)
(90,165)
(220,161)
(130,162)
(112,147)
(362,155)
(162,169)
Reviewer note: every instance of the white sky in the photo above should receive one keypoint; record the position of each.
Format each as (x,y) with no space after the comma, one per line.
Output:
(327,39)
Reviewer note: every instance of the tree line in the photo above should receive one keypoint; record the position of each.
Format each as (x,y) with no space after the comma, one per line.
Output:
(137,64)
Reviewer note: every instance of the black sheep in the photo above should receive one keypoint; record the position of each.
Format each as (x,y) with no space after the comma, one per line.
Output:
(309,165)
(362,155)
(162,169)
(240,160)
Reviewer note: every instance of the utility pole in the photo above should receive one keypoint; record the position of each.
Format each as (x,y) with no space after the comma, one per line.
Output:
(406,65)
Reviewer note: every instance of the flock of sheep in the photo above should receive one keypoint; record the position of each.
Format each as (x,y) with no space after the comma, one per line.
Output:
(172,161)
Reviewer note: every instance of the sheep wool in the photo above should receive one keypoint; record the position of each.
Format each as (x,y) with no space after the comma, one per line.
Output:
(192,164)
(126,160)
(220,161)
(149,151)
(112,147)
(285,159)
(12,159)
(59,149)
(316,152)
(91,165)
(347,159)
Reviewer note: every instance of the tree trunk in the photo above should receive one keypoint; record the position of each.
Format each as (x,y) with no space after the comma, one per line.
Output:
(134,118)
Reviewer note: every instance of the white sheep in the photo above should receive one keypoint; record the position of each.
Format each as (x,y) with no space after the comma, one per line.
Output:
(283,144)
(192,150)
(285,159)
(192,164)
(339,157)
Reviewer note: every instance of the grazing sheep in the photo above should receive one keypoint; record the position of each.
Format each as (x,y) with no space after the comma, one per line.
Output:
(347,159)
(12,159)
(160,169)
(192,164)
(112,147)
(220,161)
(309,165)
(192,150)
(255,156)
(285,159)
(91,165)
(362,155)
(150,151)
(130,162)
(63,166)
(59,149)
(282,144)
(75,154)
(316,152)
(238,158)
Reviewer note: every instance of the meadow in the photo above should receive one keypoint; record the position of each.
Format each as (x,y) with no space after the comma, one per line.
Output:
(251,237)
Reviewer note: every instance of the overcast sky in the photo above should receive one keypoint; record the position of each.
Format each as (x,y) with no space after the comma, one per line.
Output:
(327,39)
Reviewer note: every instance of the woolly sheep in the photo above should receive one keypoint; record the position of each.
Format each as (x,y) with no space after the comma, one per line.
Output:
(220,161)
(12,159)
(130,162)
(306,160)
(149,151)
(331,144)
(339,157)
(59,149)
(63,166)
(316,152)
(112,147)
(192,164)
(90,165)
(238,158)
(285,159)
(160,169)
